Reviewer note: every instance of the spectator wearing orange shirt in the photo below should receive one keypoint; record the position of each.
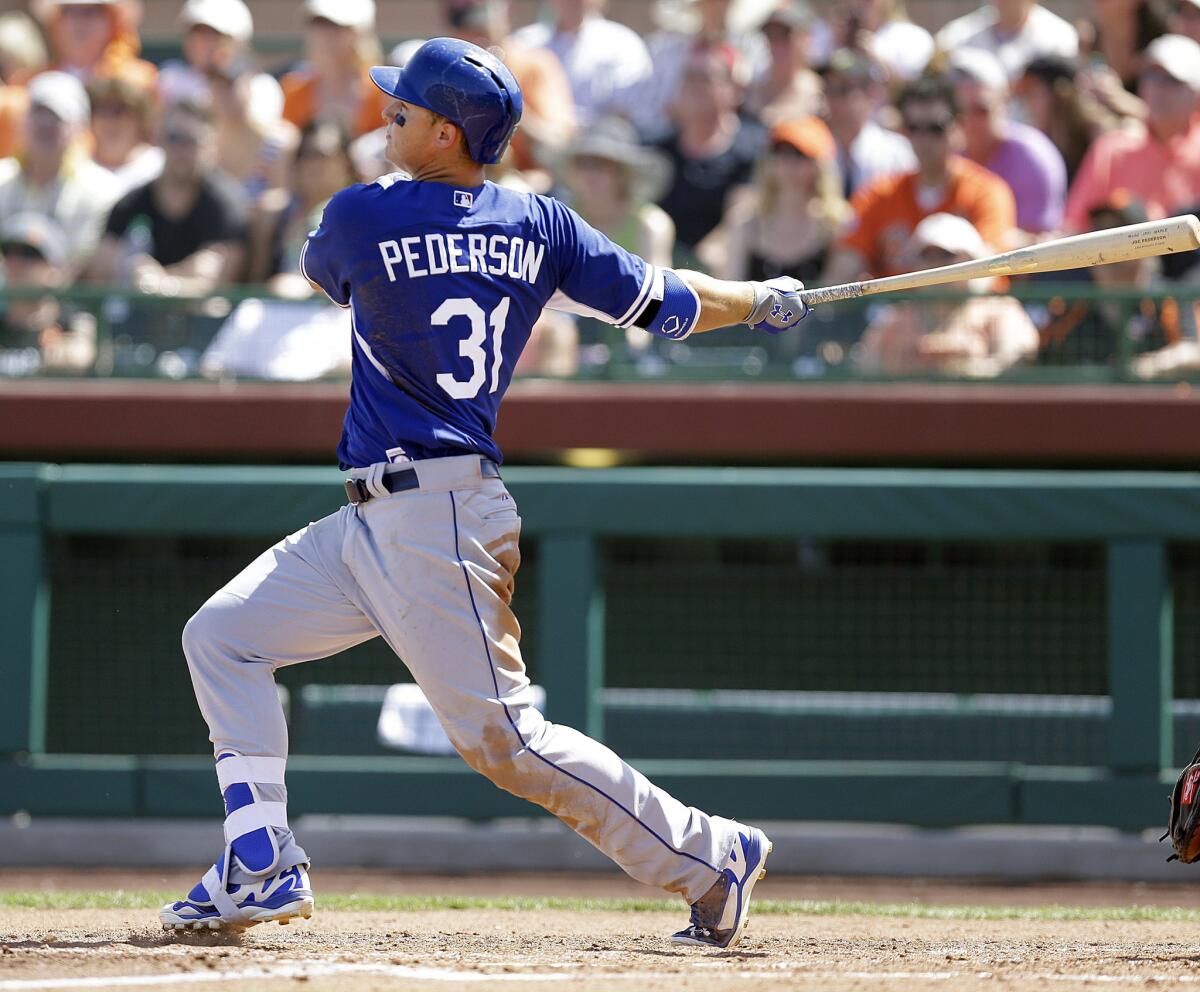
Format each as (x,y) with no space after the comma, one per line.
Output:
(888,210)
(96,39)
(1160,164)
(334,84)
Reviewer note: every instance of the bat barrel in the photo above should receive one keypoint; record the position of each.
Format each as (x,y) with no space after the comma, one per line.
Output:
(1119,244)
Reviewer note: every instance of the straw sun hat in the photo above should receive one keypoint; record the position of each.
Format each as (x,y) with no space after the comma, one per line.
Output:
(614,139)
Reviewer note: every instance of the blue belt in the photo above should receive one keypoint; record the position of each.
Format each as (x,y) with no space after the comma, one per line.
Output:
(399,480)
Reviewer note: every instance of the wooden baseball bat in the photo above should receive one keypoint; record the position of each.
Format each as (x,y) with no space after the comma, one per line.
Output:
(1119,244)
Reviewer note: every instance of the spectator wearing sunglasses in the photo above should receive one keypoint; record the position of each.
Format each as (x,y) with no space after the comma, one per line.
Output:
(888,210)
(1019,154)
(39,334)
(184,232)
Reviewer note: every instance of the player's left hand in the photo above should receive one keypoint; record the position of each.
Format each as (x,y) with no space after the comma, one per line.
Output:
(777,305)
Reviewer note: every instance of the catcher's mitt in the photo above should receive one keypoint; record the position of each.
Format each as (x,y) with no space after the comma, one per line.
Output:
(1184,825)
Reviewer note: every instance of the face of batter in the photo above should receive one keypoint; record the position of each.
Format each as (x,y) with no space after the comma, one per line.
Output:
(418,140)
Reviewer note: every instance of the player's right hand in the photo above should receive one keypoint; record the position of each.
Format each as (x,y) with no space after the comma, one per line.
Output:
(777,305)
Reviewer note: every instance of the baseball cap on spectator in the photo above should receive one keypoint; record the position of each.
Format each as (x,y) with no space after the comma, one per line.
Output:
(38,232)
(62,94)
(855,66)
(952,234)
(808,135)
(358,14)
(228,17)
(1177,56)
(980,66)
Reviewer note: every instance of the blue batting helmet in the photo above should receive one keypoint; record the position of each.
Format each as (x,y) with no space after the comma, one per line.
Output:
(464,83)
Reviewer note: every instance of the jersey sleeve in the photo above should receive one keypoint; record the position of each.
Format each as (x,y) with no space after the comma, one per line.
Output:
(322,261)
(596,277)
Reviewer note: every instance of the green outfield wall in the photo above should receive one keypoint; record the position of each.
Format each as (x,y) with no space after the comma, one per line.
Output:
(927,647)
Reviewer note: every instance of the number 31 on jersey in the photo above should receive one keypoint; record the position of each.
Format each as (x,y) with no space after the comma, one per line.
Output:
(472,346)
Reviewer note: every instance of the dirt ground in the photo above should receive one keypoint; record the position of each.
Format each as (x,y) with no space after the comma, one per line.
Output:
(600,951)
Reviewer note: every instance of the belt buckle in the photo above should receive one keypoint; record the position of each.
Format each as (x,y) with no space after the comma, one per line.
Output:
(356,491)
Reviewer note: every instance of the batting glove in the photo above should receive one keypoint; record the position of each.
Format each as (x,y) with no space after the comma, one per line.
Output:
(777,305)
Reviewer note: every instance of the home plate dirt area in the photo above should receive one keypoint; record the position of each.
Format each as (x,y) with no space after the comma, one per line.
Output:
(74,929)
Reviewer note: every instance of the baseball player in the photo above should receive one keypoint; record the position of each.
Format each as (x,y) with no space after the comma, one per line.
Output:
(444,276)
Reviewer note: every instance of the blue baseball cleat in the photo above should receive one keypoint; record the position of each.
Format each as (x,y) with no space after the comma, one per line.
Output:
(215,902)
(719,916)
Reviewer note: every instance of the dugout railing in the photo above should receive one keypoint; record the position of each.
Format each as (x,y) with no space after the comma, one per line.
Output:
(1136,521)
(1089,334)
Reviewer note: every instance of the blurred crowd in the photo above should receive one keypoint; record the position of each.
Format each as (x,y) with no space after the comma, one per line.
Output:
(748,138)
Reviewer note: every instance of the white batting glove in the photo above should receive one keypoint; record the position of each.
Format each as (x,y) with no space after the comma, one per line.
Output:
(777,305)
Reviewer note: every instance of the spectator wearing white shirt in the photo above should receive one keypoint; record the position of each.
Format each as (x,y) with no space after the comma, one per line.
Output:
(1015,31)
(605,61)
(54,177)
(854,94)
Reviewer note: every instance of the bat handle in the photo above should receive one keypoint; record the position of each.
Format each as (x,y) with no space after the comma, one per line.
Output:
(831,294)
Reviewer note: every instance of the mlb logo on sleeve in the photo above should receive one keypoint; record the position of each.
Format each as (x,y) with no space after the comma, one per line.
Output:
(463,199)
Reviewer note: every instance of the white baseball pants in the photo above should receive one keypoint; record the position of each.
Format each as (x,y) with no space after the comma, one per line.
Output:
(431,570)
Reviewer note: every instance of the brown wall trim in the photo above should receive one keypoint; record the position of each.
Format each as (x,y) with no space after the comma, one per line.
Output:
(898,423)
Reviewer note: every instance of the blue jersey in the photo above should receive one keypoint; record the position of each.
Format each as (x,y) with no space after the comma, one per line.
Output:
(444,285)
